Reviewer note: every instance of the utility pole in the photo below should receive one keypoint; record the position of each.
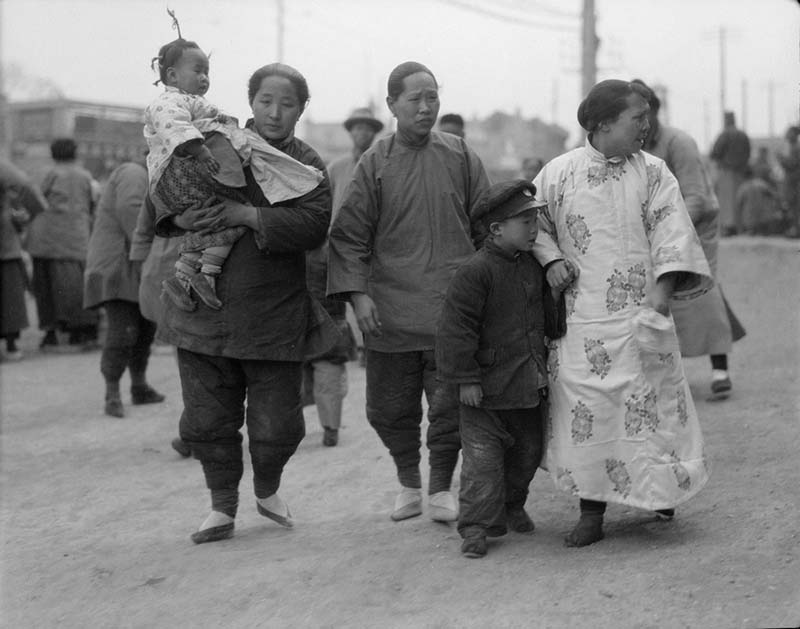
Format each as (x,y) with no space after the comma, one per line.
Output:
(722,61)
(744,104)
(771,107)
(281,28)
(589,45)
(5,149)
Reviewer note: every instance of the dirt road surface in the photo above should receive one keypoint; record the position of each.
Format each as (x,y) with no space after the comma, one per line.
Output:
(97,512)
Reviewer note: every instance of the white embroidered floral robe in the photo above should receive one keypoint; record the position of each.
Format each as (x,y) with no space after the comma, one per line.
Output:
(623,426)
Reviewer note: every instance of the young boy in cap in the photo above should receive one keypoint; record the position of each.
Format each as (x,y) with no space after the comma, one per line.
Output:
(491,344)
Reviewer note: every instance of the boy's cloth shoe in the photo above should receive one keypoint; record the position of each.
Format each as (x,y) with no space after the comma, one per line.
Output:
(474,547)
(588,531)
(145,394)
(114,407)
(408,504)
(665,514)
(443,507)
(518,520)
(331,437)
(181,447)
(177,294)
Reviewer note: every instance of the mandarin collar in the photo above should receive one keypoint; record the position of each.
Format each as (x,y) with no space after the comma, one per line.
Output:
(597,156)
(495,249)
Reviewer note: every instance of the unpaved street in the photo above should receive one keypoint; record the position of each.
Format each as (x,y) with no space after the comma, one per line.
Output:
(97,512)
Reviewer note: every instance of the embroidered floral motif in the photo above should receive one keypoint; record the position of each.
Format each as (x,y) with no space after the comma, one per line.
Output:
(597,356)
(565,481)
(667,254)
(683,413)
(582,419)
(652,219)
(552,361)
(570,295)
(636,282)
(618,475)
(653,176)
(681,473)
(641,413)
(579,231)
(598,174)
(617,294)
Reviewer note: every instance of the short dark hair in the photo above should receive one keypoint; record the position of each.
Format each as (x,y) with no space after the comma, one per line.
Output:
(395,85)
(606,101)
(168,55)
(63,149)
(297,80)
(452,119)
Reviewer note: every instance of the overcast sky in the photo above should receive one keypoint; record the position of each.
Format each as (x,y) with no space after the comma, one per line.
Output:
(100,50)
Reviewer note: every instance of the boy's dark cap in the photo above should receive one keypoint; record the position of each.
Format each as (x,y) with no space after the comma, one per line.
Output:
(504,200)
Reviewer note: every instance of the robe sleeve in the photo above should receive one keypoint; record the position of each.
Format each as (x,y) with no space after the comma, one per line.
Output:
(353,231)
(674,245)
(458,333)
(145,231)
(546,249)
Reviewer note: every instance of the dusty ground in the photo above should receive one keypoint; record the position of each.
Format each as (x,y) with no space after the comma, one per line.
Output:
(96,513)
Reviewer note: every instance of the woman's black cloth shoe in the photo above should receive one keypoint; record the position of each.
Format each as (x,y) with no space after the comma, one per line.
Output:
(181,447)
(214,534)
(145,394)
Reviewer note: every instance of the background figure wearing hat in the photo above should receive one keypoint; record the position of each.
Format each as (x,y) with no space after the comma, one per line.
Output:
(790,162)
(731,152)
(325,377)
(624,427)
(452,123)
(490,345)
(395,244)
(705,324)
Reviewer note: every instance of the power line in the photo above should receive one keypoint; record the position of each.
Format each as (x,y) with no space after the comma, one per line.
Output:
(514,19)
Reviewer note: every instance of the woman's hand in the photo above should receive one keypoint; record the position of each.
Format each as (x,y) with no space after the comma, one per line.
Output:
(662,292)
(230,214)
(470,394)
(366,314)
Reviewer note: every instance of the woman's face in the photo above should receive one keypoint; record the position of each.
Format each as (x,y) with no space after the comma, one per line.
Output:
(417,107)
(627,134)
(276,108)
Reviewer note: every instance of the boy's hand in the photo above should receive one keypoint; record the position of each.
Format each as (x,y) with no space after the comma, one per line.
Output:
(205,157)
(561,274)
(470,394)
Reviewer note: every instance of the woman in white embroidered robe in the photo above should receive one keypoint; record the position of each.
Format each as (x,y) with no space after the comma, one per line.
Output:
(623,426)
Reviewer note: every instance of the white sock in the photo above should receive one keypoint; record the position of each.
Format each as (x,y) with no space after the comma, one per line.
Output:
(215,518)
(718,374)
(274,504)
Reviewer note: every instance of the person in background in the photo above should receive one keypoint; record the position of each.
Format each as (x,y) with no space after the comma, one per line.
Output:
(623,424)
(531,167)
(758,204)
(400,234)
(111,282)
(790,162)
(706,325)
(363,126)
(452,123)
(19,200)
(731,152)
(57,242)
(325,377)
(491,346)
(155,258)
(242,364)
